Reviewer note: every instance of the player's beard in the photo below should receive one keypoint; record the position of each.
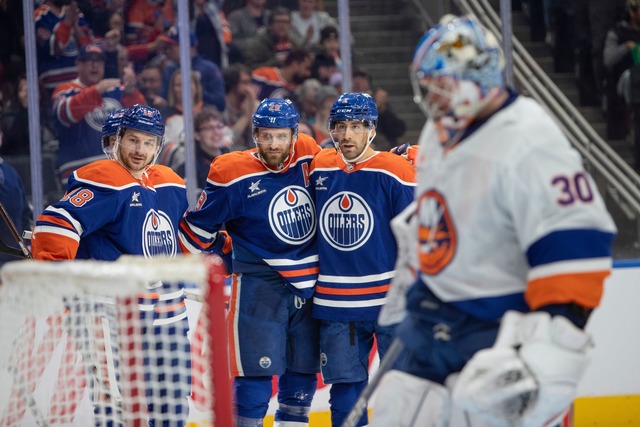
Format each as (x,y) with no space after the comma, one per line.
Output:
(274,157)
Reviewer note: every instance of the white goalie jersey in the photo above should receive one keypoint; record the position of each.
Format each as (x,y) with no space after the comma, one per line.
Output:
(509,217)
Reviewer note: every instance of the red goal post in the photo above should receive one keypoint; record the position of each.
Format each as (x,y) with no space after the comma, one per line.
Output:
(80,346)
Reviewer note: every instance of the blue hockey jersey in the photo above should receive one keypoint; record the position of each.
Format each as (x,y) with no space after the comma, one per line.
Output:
(356,247)
(269,215)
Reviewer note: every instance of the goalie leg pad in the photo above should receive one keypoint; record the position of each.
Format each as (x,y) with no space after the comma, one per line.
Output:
(404,400)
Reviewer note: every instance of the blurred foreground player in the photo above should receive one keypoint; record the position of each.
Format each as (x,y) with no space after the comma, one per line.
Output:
(261,196)
(126,205)
(513,246)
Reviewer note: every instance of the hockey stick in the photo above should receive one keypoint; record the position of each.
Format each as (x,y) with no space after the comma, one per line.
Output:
(26,253)
(10,250)
(385,365)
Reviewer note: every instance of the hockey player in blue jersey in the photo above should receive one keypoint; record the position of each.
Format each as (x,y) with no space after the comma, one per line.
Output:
(262,198)
(357,191)
(126,205)
(512,244)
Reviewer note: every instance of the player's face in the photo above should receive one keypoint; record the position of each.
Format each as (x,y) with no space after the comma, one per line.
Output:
(273,144)
(352,137)
(136,150)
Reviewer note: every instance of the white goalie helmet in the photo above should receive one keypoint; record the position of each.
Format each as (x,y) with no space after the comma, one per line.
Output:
(456,69)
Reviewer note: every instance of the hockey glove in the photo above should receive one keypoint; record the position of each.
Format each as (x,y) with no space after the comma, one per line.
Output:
(405,230)
(408,151)
(529,377)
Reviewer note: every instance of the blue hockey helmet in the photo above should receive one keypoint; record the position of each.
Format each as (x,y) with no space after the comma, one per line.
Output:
(276,113)
(110,128)
(356,106)
(144,119)
(461,49)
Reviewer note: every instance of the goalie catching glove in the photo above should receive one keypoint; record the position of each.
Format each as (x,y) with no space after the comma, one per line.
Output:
(529,377)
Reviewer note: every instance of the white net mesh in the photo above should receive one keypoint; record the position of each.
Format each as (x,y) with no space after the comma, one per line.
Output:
(111,343)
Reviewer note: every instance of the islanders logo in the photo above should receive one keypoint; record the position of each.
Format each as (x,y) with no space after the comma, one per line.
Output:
(158,236)
(346,221)
(292,215)
(436,233)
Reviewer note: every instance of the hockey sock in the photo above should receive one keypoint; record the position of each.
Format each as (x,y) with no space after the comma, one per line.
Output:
(342,398)
(295,392)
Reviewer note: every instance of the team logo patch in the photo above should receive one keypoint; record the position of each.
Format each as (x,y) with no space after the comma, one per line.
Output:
(292,215)
(346,221)
(437,240)
(265,362)
(158,236)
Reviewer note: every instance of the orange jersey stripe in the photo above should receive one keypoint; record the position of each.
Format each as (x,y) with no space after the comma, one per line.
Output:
(168,308)
(234,357)
(53,247)
(62,222)
(298,273)
(358,291)
(584,289)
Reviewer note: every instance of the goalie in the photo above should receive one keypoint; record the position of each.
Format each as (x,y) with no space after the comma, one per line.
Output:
(513,247)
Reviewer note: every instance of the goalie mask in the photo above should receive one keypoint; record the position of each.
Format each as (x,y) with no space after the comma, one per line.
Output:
(456,70)
(353,106)
(275,149)
(109,130)
(145,119)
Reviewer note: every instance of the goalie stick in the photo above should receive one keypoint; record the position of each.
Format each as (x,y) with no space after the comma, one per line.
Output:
(24,251)
(385,365)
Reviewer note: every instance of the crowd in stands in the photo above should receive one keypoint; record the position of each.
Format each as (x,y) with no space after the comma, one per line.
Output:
(597,40)
(98,56)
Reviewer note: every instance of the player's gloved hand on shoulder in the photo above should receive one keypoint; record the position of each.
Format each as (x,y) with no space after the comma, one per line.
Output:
(221,246)
(407,151)
(529,377)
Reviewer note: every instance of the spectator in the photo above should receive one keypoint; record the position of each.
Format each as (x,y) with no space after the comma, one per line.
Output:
(212,139)
(246,23)
(208,72)
(621,44)
(212,30)
(270,48)
(61,30)
(325,98)
(390,126)
(306,24)
(81,106)
(150,85)
(172,113)
(146,20)
(14,199)
(240,103)
(14,121)
(306,98)
(327,65)
(282,80)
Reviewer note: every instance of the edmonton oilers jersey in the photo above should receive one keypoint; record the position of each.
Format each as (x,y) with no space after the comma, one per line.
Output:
(356,247)
(106,213)
(269,215)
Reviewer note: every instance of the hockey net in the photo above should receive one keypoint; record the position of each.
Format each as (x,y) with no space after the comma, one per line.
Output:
(86,343)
